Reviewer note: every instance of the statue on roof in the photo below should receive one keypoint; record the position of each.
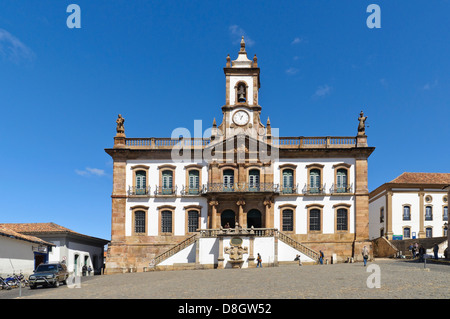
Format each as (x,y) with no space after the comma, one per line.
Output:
(120,126)
(362,124)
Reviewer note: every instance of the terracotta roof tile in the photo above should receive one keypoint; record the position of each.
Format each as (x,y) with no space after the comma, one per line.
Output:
(38,228)
(5,231)
(422,178)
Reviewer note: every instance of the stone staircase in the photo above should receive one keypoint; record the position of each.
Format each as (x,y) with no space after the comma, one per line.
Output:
(299,246)
(262,232)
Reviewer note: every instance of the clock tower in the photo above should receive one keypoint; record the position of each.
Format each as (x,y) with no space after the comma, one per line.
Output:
(241,112)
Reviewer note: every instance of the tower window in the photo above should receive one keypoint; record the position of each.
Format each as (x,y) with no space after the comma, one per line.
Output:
(242,93)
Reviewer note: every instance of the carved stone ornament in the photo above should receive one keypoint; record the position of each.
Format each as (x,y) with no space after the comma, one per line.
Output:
(236,251)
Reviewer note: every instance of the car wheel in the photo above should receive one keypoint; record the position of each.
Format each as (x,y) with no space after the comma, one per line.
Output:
(32,286)
(56,284)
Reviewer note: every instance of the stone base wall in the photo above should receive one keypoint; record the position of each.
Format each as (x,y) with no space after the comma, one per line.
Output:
(135,256)
(343,250)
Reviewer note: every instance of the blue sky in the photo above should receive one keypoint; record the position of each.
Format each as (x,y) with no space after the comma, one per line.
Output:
(61,89)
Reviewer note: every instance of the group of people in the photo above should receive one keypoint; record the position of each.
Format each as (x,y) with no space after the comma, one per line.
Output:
(418,251)
(85,269)
(364,252)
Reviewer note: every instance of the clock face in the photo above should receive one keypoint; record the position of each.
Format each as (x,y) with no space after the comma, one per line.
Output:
(240,118)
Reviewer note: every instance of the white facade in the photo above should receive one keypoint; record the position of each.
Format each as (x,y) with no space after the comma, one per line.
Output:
(151,203)
(16,256)
(404,201)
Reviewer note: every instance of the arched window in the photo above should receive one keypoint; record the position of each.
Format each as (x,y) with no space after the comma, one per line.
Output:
(228,180)
(314,180)
(139,221)
(314,219)
(406,212)
(342,219)
(341,180)
(428,213)
(166,222)
(193,221)
(254,219)
(228,219)
(406,232)
(287,220)
(194,181)
(167,182)
(253,180)
(141,182)
(288,181)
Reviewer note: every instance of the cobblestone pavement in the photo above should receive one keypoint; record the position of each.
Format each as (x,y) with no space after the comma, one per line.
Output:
(399,279)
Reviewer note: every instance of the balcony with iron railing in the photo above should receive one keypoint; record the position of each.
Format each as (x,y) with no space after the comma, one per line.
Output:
(240,187)
(341,189)
(138,191)
(166,191)
(191,191)
(287,190)
(314,189)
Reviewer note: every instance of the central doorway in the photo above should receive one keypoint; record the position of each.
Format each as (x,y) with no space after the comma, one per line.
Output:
(254,219)
(228,217)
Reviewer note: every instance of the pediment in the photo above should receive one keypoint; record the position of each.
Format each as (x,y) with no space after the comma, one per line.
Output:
(240,149)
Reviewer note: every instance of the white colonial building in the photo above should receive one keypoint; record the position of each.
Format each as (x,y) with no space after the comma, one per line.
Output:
(72,248)
(413,205)
(20,253)
(219,201)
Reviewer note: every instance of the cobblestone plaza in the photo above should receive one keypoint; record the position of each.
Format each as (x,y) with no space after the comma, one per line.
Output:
(398,279)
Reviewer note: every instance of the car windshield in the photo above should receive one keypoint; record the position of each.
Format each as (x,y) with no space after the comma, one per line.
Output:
(41,268)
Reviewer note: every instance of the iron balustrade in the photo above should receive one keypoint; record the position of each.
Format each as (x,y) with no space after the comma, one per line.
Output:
(339,189)
(314,189)
(240,187)
(161,191)
(186,190)
(138,191)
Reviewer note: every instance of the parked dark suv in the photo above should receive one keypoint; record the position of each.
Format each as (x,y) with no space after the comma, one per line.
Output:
(49,274)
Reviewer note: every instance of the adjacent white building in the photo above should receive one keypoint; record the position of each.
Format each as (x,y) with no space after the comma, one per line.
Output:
(70,247)
(413,205)
(19,253)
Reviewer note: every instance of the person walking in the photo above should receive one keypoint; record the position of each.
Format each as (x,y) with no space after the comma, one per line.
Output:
(435,250)
(321,256)
(259,260)
(365,254)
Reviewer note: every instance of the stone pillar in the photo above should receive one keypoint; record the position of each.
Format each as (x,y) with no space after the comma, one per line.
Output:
(361,200)
(267,220)
(241,204)
(213,222)
(220,259)
(251,256)
(421,233)
(117,259)
(389,232)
